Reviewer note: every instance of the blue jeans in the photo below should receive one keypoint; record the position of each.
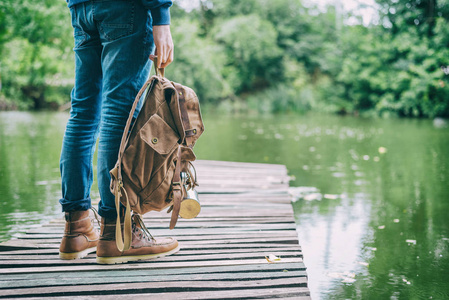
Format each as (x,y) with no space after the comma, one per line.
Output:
(113,40)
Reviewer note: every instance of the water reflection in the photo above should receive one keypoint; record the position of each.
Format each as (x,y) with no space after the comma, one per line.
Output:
(376,224)
(29,168)
(385,238)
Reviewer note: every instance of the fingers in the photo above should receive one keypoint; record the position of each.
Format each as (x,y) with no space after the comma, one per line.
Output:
(168,58)
(164,59)
(154,56)
(164,45)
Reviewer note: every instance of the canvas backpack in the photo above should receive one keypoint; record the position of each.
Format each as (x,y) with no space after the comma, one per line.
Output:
(154,168)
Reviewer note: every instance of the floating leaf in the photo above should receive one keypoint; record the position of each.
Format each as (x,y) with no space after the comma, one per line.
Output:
(381,227)
(347,277)
(382,150)
(313,196)
(411,242)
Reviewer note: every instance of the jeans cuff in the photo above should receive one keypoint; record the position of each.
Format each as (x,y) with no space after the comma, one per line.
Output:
(83,204)
(107,212)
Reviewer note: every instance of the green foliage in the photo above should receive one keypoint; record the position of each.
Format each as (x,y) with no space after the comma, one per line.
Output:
(422,14)
(251,51)
(395,73)
(198,62)
(35,47)
(257,55)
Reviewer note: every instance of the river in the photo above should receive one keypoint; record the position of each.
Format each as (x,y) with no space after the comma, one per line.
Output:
(375,226)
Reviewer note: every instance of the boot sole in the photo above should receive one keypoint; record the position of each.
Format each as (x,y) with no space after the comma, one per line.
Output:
(125,259)
(75,255)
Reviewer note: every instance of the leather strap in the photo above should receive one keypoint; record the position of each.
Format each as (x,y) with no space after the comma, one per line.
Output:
(123,243)
(177,191)
(189,131)
(158,71)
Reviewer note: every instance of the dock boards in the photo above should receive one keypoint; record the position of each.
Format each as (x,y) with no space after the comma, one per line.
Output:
(246,216)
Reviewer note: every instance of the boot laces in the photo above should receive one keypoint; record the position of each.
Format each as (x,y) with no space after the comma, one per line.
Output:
(144,232)
(96,215)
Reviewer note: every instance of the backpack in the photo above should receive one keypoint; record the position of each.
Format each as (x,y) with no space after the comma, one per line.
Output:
(154,168)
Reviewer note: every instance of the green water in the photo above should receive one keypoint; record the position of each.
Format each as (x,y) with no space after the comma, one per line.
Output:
(385,236)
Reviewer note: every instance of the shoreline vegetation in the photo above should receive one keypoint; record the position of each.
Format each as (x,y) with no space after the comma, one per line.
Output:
(261,56)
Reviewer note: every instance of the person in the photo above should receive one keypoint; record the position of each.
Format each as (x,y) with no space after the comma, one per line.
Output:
(113,43)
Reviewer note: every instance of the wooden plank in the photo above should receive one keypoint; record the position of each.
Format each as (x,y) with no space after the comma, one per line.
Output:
(202,226)
(62,281)
(50,237)
(200,254)
(231,252)
(299,293)
(43,252)
(150,264)
(55,261)
(200,244)
(261,268)
(234,164)
(151,222)
(158,286)
(185,246)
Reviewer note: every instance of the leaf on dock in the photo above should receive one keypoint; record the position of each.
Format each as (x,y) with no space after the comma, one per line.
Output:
(272,258)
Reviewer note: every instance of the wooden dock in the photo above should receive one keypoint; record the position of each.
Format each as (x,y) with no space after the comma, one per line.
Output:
(246,216)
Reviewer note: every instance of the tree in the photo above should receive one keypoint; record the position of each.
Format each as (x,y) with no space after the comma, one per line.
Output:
(37,42)
(420,13)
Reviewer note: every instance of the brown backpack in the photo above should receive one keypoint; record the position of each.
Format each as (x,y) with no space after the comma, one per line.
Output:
(154,169)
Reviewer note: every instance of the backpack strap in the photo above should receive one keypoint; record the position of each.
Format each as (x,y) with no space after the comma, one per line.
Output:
(176,184)
(177,191)
(189,132)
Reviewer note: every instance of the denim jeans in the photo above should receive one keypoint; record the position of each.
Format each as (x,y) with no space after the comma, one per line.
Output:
(113,40)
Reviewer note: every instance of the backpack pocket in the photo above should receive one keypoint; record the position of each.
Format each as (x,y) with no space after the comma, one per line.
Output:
(159,135)
(155,195)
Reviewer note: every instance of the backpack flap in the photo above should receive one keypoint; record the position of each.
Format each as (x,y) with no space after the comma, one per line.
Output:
(159,135)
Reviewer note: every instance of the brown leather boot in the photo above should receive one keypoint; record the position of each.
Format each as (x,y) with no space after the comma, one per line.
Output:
(80,237)
(143,244)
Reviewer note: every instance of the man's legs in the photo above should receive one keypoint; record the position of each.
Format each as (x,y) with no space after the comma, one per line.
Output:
(80,137)
(113,40)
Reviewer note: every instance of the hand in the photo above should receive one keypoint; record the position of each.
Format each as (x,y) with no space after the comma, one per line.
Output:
(164,45)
